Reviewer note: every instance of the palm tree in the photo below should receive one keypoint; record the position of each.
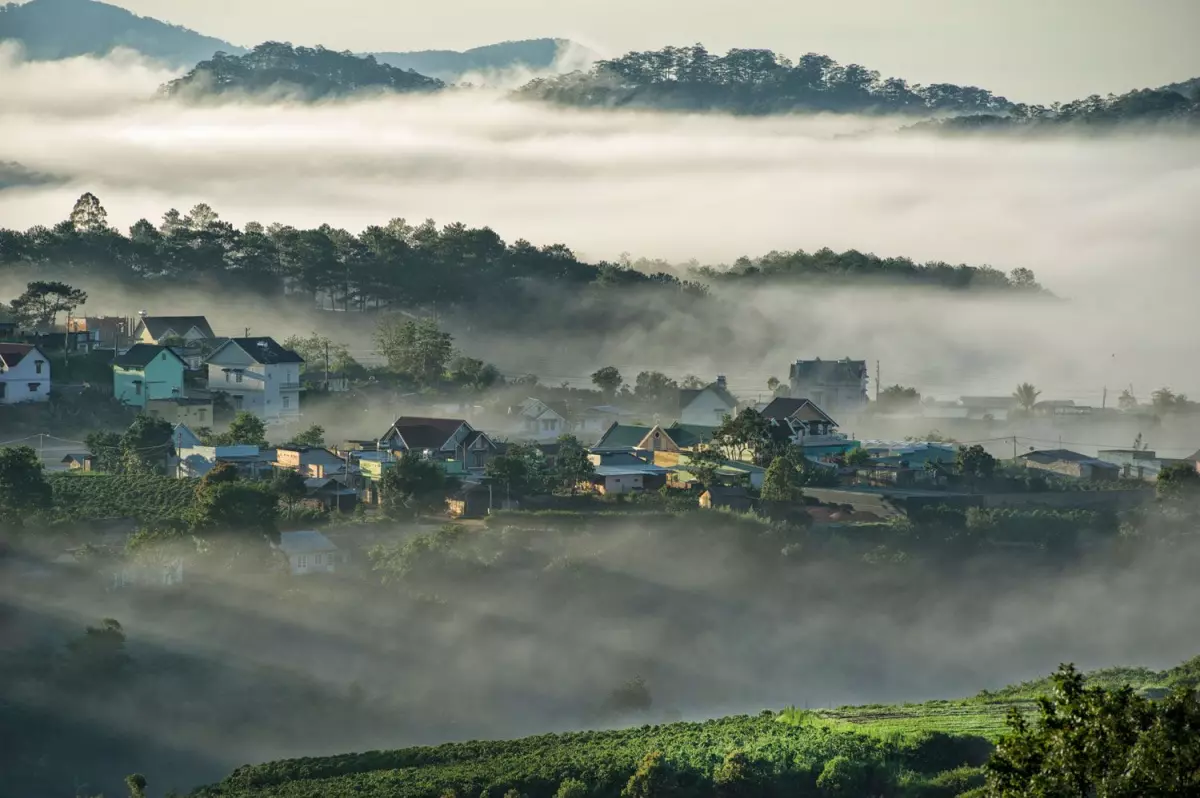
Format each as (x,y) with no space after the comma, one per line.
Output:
(1026,395)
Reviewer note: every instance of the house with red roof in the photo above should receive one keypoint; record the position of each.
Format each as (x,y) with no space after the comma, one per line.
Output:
(24,374)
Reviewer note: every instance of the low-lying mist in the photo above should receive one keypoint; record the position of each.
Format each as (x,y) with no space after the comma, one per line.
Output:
(536,634)
(1105,222)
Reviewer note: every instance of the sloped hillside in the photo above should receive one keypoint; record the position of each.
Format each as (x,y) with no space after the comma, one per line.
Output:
(52,29)
(307,72)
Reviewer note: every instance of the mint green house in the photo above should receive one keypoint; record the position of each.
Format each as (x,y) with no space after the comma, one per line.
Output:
(145,372)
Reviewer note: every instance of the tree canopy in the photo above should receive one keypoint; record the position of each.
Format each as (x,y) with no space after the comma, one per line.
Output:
(753,81)
(308,72)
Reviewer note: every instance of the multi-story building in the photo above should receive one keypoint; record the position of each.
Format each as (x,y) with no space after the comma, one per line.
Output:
(259,375)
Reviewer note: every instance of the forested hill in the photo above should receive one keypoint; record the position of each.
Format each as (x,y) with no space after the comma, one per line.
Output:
(52,29)
(451,65)
(1144,106)
(753,82)
(307,72)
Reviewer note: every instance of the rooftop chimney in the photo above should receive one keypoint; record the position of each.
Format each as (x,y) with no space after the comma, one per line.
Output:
(720,380)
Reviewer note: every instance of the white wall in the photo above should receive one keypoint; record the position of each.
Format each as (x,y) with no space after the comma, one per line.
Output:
(320,563)
(707,408)
(17,380)
(259,388)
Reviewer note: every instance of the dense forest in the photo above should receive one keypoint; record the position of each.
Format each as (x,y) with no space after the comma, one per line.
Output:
(825,265)
(753,81)
(1166,105)
(309,72)
(399,265)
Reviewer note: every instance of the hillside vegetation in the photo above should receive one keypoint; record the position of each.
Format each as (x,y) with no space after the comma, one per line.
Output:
(931,749)
(753,81)
(1144,106)
(145,497)
(52,29)
(308,72)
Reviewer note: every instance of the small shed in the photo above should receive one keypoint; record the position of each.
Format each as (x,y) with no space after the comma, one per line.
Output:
(80,461)
(472,500)
(727,497)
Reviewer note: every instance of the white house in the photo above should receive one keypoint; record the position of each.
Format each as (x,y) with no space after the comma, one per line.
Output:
(24,374)
(538,420)
(259,375)
(310,552)
(707,406)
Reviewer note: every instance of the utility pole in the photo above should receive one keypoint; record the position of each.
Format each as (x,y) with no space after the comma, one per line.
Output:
(327,365)
(1014,448)
(876,380)
(247,335)
(1104,400)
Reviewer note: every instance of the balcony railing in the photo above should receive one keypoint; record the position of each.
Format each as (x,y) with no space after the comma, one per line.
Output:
(289,386)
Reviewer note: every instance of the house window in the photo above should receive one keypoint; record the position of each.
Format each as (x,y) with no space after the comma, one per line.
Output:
(37,365)
(287,401)
(201,413)
(227,376)
(237,402)
(301,561)
(137,387)
(4,391)
(33,386)
(239,377)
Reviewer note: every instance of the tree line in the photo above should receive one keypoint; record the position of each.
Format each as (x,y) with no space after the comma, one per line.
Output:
(753,81)
(311,72)
(1164,105)
(400,265)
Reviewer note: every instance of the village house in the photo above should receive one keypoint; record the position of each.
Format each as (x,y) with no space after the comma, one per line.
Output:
(675,438)
(310,462)
(157,329)
(259,375)
(1070,464)
(194,411)
(442,438)
(24,374)
(146,371)
(193,459)
(1137,463)
(840,385)
(537,420)
(79,461)
(808,426)
(910,454)
(708,405)
(99,332)
(622,472)
(593,421)
(310,552)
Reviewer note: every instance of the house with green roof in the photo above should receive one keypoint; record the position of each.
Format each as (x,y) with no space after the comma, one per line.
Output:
(147,371)
(675,438)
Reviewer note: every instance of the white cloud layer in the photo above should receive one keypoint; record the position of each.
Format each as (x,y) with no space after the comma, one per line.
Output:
(1106,222)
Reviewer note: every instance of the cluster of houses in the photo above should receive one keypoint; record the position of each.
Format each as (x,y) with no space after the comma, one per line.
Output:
(169,367)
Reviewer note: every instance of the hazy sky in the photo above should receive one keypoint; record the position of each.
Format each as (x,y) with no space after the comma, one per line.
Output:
(1029,50)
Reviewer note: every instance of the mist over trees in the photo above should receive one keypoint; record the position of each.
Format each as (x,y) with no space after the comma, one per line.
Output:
(310,72)
(403,266)
(753,81)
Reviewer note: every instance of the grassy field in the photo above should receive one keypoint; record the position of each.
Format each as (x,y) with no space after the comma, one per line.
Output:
(971,718)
